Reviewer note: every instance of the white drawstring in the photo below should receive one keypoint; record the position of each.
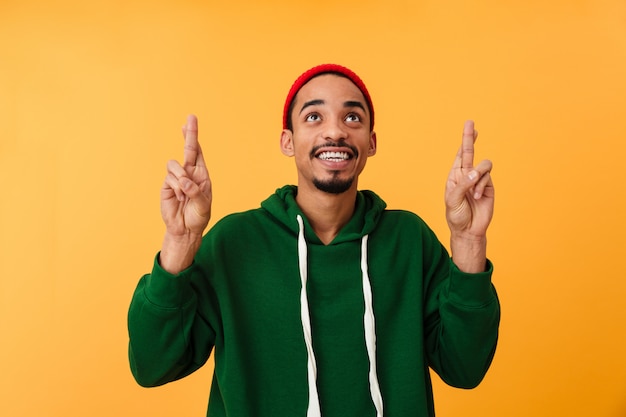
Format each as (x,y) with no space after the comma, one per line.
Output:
(370,331)
(314,403)
(368,323)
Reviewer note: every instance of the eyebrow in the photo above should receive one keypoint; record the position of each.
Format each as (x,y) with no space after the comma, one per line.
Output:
(354,104)
(320,102)
(311,103)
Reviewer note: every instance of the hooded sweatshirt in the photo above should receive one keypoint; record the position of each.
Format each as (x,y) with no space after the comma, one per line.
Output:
(299,328)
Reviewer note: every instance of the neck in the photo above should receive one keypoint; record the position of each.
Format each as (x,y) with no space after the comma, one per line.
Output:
(327,213)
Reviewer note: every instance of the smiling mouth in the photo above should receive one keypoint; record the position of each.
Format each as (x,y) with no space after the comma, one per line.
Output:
(334,156)
(344,152)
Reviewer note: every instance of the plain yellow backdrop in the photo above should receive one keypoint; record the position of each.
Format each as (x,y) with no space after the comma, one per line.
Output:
(92,99)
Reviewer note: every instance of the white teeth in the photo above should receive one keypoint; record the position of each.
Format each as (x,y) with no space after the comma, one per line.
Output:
(334,156)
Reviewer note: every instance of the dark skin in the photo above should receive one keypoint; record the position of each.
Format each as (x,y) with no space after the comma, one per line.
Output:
(186,193)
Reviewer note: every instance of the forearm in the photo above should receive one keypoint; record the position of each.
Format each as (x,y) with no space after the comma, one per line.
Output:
(469,253)
(166,340)
(467,343)
(158,352)
(464,334)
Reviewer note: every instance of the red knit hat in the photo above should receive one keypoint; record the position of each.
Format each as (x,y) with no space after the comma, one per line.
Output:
(326,69)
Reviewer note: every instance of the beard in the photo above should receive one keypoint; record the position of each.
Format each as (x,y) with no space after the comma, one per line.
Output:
(334,185)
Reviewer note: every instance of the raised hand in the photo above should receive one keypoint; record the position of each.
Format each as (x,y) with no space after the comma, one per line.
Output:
(185,202)
(469,199)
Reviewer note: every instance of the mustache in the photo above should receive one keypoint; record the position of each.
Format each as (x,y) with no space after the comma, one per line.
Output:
(340,144)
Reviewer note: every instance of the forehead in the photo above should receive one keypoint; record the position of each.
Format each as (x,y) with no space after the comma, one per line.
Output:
(329,86)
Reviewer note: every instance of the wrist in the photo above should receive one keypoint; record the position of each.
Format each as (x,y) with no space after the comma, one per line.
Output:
(469,252)
(178,251)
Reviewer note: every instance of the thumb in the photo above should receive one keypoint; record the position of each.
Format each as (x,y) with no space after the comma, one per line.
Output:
(457,190)
(202,204)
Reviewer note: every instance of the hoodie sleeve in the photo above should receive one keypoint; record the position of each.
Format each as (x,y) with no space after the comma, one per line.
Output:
(168,338)
(462,320)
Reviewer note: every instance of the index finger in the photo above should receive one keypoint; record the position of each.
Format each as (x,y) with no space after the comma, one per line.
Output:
(467,146)
(192,153)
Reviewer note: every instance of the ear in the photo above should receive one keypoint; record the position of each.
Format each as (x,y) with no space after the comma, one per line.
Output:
(372,148)
(286,142)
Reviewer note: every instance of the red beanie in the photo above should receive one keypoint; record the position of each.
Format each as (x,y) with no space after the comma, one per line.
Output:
(325,69)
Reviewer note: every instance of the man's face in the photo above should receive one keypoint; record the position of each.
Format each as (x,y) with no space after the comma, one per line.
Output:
(331,137)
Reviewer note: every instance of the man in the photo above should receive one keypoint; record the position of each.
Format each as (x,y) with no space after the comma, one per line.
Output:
(320,302)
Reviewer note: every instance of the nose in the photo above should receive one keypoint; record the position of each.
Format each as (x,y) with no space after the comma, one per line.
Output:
(334,130)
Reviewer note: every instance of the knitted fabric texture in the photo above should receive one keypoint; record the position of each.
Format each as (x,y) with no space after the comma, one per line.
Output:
(326,69)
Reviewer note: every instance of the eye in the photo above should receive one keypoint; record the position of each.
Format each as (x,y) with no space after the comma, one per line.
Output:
(313,117)
(353,117)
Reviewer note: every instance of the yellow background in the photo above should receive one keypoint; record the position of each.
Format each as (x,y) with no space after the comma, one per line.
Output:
(92,98)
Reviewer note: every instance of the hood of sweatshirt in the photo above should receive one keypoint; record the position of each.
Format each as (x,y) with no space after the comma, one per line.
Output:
(368,209)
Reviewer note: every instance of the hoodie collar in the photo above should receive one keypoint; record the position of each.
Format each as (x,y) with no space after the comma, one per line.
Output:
(369,207)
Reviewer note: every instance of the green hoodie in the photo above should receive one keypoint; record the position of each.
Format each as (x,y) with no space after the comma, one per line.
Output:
(381,304)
